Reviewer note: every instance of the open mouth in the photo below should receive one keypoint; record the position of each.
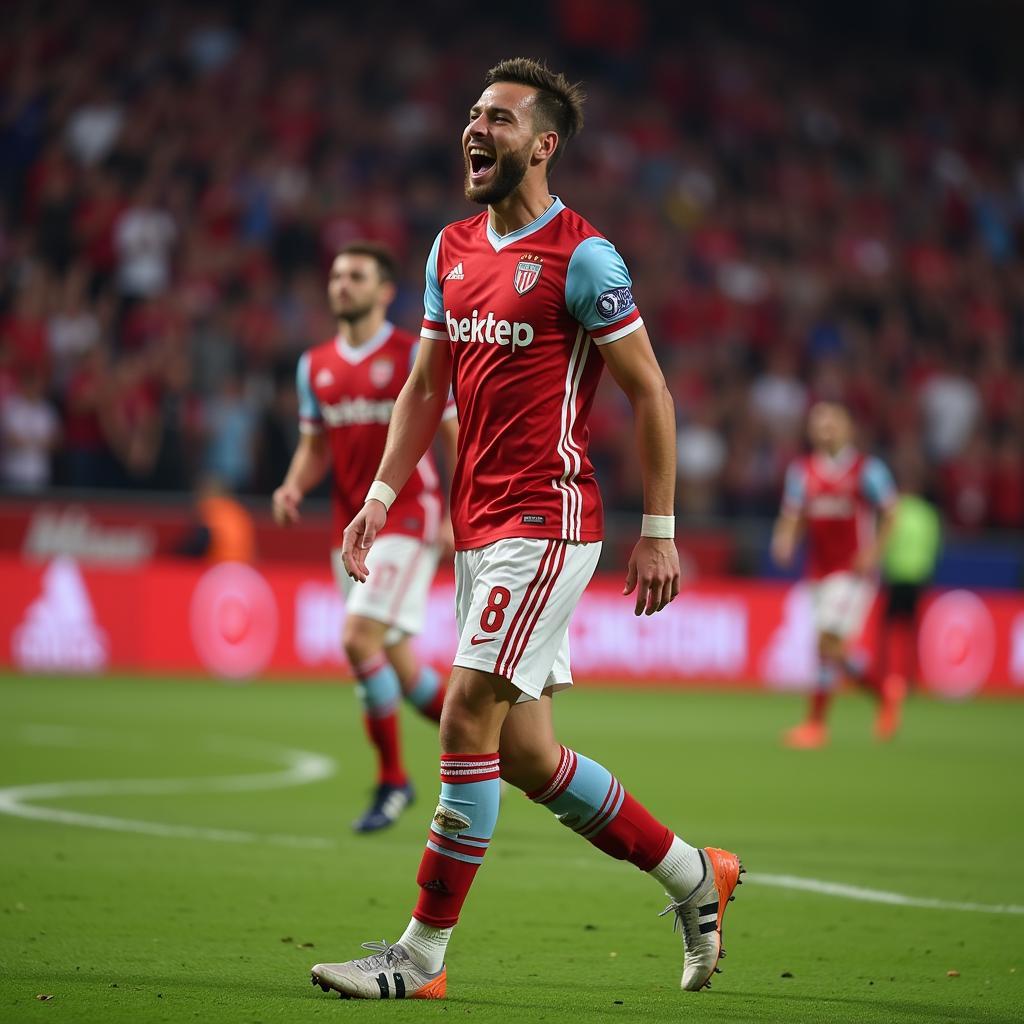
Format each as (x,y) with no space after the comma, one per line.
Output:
(481,162)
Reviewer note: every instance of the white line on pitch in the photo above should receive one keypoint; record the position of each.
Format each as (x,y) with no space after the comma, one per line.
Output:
(856,892)
(821,887)
(300,767)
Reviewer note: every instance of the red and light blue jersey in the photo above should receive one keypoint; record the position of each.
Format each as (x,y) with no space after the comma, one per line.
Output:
(350,392)
(838,499)
(523,313)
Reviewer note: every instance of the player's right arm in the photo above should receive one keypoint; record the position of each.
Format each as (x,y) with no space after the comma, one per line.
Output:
(449,443)
(414,422)
(790,523)
(312,457)
(308,467)
(417,414)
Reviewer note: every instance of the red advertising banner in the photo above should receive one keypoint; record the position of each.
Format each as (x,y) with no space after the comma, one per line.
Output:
(123,533)
(131,533)
(237,621)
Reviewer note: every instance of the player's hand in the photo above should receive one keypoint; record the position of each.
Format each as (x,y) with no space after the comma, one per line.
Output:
(866,562)
(783,550)
(359,536)
(285,503)
(446,539)
(653,573)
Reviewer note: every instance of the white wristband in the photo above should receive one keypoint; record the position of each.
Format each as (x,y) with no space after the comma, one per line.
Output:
(382,492)
(661,527)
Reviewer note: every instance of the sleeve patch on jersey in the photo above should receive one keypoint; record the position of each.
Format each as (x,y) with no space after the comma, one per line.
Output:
(614,303)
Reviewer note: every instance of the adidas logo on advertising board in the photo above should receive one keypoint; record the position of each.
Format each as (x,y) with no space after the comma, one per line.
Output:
(59,630)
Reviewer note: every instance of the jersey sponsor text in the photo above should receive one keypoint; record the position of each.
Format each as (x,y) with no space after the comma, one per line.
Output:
(352,411)
(488,330)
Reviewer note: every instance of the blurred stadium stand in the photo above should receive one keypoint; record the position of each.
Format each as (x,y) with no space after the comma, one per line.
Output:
(815,200)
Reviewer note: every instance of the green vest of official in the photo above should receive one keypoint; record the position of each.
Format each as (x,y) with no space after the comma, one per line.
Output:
(913,547)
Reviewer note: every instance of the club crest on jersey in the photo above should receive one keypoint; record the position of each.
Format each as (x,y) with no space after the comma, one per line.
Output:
(381,372)
(527,272)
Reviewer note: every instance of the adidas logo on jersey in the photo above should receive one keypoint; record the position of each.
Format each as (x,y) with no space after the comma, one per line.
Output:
(456,273)
(488,330)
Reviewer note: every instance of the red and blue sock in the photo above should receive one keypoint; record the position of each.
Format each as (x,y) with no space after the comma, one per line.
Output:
(427,694)
(379,692)
(587,798)
(459,835)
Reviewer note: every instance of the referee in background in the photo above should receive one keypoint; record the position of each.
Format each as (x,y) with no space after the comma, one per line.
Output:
(908,567)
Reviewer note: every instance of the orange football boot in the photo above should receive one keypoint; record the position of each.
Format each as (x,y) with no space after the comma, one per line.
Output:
(388,974)
(806,736)
(890,709)
(700,917)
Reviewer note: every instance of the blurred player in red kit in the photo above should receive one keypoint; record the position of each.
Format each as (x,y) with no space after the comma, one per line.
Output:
(347,389)
(844,500)
(525,304)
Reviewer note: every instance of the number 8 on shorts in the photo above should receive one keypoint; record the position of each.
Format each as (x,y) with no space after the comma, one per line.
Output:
(514,599)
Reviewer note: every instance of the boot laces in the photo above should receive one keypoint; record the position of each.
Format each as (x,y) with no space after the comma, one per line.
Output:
(388,954)
(683,920)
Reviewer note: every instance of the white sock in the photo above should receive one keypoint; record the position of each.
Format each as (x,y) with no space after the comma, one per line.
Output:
(681,870)
(425,945)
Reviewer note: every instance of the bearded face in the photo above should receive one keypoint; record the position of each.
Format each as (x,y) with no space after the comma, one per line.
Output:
(492,175)
(353,287)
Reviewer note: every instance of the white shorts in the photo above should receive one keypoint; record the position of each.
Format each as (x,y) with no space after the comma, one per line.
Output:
(397,588)
(513,602)
(842,601)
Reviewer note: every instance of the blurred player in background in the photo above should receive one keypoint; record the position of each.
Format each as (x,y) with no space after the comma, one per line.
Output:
(908,565)
(525,304)
(845,501)
(347,389)
(224,530)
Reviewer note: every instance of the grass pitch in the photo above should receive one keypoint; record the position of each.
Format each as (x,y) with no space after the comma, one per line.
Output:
(216,882)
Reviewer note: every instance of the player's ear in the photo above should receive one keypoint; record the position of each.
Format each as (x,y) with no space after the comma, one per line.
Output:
(388,292)
(547,143)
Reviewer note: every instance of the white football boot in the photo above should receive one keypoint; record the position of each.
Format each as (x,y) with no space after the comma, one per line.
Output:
(700,915)
(387,974)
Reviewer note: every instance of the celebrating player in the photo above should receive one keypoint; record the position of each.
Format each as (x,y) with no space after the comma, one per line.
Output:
(347,388)
(838,493)
(525,304)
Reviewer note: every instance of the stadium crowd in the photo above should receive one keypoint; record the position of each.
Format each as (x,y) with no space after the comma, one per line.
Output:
(175,181)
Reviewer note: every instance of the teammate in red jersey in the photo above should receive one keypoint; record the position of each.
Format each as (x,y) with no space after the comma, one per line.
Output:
(525,304)
(845,501)
(347,389)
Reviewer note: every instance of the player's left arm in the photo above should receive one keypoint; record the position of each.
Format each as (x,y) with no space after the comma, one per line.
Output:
(598,294)
(653,569)
(878,488)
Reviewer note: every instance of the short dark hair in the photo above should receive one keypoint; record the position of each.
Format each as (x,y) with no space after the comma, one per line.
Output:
(387,265)
(559,104)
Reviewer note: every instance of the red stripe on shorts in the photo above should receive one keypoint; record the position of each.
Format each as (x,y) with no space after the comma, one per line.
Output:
(540,606)
(521,611)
